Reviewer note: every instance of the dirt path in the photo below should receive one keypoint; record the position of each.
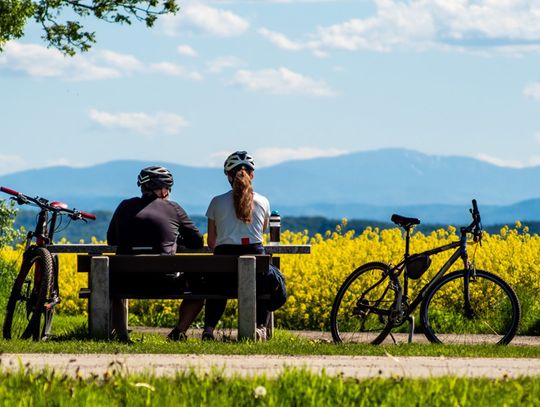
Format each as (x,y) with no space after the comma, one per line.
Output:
(349,366)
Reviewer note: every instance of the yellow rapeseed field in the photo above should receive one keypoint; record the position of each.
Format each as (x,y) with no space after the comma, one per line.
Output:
(313,280)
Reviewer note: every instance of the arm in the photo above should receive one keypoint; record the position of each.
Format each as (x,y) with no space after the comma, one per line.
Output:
(112,231)
(188,236)
(212,233)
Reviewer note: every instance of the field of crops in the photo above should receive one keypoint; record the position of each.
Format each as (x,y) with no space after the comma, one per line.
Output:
(313,280)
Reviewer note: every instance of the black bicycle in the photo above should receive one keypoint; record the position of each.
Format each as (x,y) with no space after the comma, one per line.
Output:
(35,293)
(464,306)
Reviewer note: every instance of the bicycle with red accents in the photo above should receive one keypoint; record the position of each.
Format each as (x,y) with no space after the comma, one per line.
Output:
(35,293)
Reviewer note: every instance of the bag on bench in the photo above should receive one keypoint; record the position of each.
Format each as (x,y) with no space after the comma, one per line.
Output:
(274,285)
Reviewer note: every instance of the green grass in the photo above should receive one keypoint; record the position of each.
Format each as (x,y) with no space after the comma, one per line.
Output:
(72,338)
(291,388)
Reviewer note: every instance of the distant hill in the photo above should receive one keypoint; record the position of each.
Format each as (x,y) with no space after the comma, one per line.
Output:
(363,185)
(76,231)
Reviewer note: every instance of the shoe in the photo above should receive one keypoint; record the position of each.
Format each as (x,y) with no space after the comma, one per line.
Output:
(260,333)
(176,335)
(208,336)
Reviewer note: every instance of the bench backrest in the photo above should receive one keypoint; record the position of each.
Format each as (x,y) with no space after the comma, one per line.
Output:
(153,276)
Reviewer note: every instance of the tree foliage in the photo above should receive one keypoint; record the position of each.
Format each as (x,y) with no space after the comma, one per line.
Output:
(8,233)
(68,34)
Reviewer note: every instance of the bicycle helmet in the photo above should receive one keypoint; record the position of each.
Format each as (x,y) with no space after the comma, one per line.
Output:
(236,159)
(155,177)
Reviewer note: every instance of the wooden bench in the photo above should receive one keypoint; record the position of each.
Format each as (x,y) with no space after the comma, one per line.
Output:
(164,277)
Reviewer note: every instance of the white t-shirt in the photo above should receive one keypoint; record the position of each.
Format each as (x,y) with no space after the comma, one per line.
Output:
(230,229)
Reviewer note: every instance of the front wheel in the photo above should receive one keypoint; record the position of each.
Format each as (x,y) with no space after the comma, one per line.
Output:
(468,308)
(361,309)
(26,312)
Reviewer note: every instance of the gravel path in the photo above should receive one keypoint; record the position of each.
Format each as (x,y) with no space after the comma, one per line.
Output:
(349,366)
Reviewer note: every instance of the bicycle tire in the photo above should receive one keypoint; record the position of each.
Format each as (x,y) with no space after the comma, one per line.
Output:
(26,303)
(492,318)
(52,300)
(360,312)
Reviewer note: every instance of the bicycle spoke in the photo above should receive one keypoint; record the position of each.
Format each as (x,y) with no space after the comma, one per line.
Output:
(491,315)
(361,309)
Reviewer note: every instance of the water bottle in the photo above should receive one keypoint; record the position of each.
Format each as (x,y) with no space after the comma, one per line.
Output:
(275,228)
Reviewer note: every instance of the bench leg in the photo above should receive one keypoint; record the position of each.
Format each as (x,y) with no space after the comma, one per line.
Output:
(270,325)
(247,310)
(99,301)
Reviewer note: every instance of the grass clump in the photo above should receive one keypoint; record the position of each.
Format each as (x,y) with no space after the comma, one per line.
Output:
(291,388)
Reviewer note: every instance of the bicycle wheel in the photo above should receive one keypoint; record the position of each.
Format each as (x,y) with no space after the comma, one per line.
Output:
(490,313)
(25,307)
(361,308)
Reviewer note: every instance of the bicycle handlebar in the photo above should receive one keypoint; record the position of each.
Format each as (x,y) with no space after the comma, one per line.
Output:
(9,191)
(44,204)
(476,225)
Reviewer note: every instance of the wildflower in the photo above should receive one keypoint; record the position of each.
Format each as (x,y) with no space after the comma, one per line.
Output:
(146,386)
(259,392)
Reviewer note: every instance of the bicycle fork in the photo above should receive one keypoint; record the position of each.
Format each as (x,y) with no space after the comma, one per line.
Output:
(469,272)
(400,309)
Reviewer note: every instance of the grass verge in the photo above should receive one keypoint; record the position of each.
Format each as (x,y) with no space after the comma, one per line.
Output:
(291,388)
(71,337)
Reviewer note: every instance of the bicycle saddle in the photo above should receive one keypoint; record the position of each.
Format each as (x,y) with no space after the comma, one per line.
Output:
(404,222)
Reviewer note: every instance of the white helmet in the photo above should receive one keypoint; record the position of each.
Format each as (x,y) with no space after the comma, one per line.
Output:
(238,158)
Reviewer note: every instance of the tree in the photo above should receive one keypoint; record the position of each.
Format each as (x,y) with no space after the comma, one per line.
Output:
(69,35)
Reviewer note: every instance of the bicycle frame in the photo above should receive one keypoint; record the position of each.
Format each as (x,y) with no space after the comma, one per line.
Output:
(396,271)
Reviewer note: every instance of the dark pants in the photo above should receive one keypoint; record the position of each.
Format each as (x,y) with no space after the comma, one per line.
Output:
(214,309)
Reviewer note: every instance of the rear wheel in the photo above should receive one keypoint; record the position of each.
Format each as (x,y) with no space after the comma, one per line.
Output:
(26,314)
(468,309)
(361,310)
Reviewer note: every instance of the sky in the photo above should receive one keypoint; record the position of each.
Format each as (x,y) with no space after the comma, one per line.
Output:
(282,79)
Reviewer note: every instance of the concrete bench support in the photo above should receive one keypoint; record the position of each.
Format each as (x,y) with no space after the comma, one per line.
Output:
(99,304)
(247,307)
(99,293)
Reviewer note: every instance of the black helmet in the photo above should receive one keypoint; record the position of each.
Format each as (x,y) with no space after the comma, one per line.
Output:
(155,177)
(236,159)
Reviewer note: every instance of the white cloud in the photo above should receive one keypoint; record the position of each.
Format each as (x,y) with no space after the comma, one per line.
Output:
(40,62)
(219,64)
(490,26)
(122,62)
(171,69)
(187,51)
(281,81)
(532,91)
(500,162)
(203,18)
(265,157)
(11,163)
(141,123)
(280,40)
(275,155)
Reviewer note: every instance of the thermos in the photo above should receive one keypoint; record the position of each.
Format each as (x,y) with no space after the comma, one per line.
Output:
(275,228)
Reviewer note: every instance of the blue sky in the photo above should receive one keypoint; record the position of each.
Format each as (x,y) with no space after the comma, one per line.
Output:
(284,79)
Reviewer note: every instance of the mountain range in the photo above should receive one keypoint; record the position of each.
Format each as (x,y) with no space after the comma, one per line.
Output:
(362,185)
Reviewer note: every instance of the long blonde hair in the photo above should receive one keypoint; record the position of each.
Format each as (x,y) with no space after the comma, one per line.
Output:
(243,195)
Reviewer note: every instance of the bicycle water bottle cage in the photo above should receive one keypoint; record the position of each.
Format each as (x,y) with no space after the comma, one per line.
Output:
(417,265)
(404,222)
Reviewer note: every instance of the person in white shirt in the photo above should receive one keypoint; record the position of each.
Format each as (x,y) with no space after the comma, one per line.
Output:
(237,220)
